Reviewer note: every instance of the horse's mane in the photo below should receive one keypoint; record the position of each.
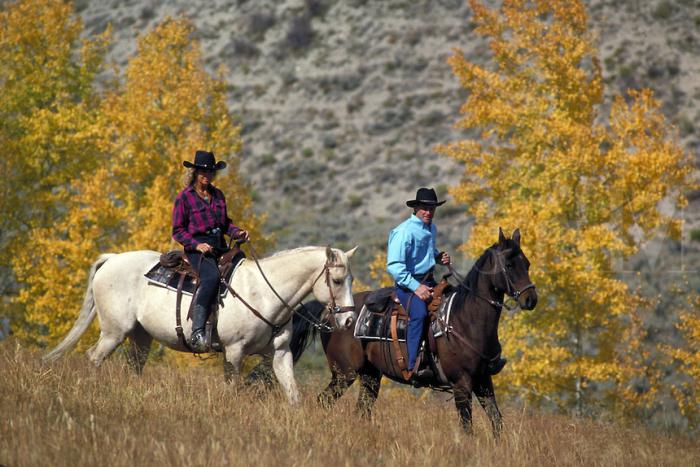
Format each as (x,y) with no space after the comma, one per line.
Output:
(294,250)
(469,285)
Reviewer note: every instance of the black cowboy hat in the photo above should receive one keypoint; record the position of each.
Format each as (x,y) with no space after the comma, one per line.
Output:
(206,161)
(425,197)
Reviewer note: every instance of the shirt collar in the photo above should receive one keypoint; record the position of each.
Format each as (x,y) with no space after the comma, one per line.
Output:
(210,188)
(419,223)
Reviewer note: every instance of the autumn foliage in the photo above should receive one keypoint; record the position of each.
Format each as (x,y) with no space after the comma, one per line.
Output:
(97,171)
(583,187)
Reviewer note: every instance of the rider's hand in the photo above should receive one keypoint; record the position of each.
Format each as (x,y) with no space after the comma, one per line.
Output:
(424,292)
(444,258)
(242,235)
(204,248)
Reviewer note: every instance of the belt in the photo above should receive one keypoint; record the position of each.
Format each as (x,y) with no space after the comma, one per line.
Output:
(424,277)
(214,231)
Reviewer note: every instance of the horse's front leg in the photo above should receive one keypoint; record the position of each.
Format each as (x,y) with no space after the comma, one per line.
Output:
(483,389)
(283,365)
(233,358)
(463,400)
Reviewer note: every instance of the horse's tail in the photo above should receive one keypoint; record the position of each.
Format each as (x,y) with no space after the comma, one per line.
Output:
(87,314)
(303,329)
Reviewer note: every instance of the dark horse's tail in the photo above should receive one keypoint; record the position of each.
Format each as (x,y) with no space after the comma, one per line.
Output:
(303,334)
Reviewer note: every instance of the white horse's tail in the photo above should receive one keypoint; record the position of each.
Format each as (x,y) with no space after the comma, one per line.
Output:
(87,314)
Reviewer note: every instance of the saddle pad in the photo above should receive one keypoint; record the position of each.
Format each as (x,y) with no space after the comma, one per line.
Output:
(165,277)
(443,314)
(377,326)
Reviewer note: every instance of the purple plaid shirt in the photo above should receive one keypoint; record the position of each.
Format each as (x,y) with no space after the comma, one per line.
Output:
(192,216)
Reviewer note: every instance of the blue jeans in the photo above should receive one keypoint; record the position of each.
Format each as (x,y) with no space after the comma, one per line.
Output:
(417,311)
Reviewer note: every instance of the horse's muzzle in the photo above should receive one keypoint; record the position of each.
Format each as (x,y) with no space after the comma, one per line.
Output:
(528,300)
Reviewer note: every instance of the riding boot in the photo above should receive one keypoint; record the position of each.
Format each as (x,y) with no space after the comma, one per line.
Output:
(199,318)
(495,366)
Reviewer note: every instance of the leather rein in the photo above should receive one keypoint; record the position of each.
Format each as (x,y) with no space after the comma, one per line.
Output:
(511,291)
(332,306)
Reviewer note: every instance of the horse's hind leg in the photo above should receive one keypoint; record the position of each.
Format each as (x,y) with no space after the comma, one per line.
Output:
(336,388)
(233,358)
(368,392)
(105,346)
(139,346)
(483,389)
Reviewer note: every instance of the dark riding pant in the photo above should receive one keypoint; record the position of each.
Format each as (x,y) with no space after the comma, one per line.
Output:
(417,311)
(208,290)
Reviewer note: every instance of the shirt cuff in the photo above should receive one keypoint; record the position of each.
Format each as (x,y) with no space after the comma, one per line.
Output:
(413,284)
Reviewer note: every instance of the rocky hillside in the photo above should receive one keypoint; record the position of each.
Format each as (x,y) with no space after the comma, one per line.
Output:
(343,101)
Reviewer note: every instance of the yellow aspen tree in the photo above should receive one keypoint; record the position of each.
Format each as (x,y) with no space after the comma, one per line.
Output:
(577,189)
(167,107)
(54,281)
(378,272)
(687,391)
(47,106)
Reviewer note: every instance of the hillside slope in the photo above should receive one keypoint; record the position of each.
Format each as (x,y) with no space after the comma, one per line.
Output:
(343,101)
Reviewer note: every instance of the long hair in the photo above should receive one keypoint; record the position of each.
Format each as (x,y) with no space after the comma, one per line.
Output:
(190,176)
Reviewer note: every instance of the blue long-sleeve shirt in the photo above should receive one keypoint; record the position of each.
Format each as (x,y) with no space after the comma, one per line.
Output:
(411,251)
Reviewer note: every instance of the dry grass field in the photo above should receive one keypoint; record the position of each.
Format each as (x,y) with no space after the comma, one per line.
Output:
(70,413)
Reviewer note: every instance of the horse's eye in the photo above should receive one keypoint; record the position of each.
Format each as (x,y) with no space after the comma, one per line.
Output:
(338,281)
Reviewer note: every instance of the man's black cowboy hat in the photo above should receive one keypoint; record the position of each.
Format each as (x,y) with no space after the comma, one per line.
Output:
(204,160)
(424,197)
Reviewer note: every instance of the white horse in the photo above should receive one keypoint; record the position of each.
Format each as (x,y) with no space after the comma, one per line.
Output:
(127,305)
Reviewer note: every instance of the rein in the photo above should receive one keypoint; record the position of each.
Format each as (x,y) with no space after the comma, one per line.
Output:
(276,328)
(512,291)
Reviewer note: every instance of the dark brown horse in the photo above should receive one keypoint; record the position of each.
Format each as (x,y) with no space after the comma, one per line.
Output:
(463,351)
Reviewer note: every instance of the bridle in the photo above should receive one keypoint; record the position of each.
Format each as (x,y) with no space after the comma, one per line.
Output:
(332,306)
(511,290)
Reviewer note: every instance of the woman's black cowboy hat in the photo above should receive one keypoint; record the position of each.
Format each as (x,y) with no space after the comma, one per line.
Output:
(204,160)
(424,197)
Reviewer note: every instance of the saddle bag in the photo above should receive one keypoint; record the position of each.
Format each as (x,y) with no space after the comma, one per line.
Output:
(172,259)
(379,300)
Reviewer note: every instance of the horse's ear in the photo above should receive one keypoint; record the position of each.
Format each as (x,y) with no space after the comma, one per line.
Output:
(516,236)
(349,253)
(501,236)
(330,255)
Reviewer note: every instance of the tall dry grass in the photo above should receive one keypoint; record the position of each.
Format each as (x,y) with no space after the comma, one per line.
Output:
(69,413)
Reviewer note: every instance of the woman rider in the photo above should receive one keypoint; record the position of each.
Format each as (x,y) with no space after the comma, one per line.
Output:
(200,221)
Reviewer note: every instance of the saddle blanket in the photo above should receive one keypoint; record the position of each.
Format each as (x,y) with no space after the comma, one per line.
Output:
(376,325)
(168,278)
